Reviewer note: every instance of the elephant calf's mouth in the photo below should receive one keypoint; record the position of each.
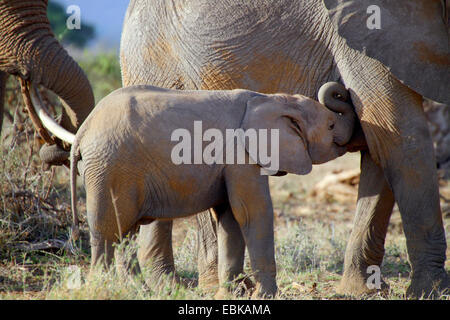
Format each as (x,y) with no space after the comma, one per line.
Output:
(280,174)
(341,150)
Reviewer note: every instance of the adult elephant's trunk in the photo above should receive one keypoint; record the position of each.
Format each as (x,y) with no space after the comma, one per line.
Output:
(29,49)
(336,98)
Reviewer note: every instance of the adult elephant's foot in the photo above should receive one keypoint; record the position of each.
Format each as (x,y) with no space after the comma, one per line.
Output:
(208,280)
(357,283)
(53,155)
(266,288)
(429,285)
(429,280)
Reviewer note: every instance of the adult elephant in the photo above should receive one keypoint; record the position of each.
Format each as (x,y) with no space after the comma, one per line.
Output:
(29,50)
(296,46)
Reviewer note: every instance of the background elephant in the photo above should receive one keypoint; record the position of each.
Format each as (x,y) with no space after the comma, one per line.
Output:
(126,150)
(29,50)
(296,46)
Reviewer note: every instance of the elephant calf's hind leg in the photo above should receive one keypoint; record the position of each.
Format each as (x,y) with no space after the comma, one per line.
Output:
(231,247)
(155,249)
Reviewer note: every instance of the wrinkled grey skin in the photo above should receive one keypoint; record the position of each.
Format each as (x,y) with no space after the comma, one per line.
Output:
(125,151)
(296,46)
(29,50)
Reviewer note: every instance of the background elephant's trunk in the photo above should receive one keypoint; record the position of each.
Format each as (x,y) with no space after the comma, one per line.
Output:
(70,84)
(336,98)
(29,49)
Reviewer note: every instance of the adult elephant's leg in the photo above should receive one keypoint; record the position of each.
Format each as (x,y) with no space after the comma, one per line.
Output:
(399,141)
(412,174)
(207,251)
(155,248)
(366,243)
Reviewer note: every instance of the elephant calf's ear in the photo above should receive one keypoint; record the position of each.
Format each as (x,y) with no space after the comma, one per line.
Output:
(286,149)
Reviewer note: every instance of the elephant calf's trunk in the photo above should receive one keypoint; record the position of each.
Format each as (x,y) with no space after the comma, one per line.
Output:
(336,98)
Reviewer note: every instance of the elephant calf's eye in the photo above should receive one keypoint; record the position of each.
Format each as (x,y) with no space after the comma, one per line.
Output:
(331,126)
(296,125)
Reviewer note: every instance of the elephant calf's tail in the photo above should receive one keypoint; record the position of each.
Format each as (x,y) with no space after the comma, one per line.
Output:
(75,156)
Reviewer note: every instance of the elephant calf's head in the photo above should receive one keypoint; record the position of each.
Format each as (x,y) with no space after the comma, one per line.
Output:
(322,128)
(307,129)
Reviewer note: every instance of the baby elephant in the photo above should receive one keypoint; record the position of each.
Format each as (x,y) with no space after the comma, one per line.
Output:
(147,153)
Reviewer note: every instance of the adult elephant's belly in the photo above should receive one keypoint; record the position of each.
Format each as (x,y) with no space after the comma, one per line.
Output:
(266,71)
(234,51)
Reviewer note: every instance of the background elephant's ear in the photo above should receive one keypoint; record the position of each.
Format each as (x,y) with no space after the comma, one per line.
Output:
(412,39)
(265,112)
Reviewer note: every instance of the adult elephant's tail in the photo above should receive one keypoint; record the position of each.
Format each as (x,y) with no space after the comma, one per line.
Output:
(74,158)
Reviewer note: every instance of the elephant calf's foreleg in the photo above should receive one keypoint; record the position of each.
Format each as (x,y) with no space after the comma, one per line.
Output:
(252,208)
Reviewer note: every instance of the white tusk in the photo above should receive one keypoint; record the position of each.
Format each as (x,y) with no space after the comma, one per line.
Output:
(48,122)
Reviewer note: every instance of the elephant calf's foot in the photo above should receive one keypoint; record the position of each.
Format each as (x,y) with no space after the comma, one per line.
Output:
(429,285)
(355,284)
